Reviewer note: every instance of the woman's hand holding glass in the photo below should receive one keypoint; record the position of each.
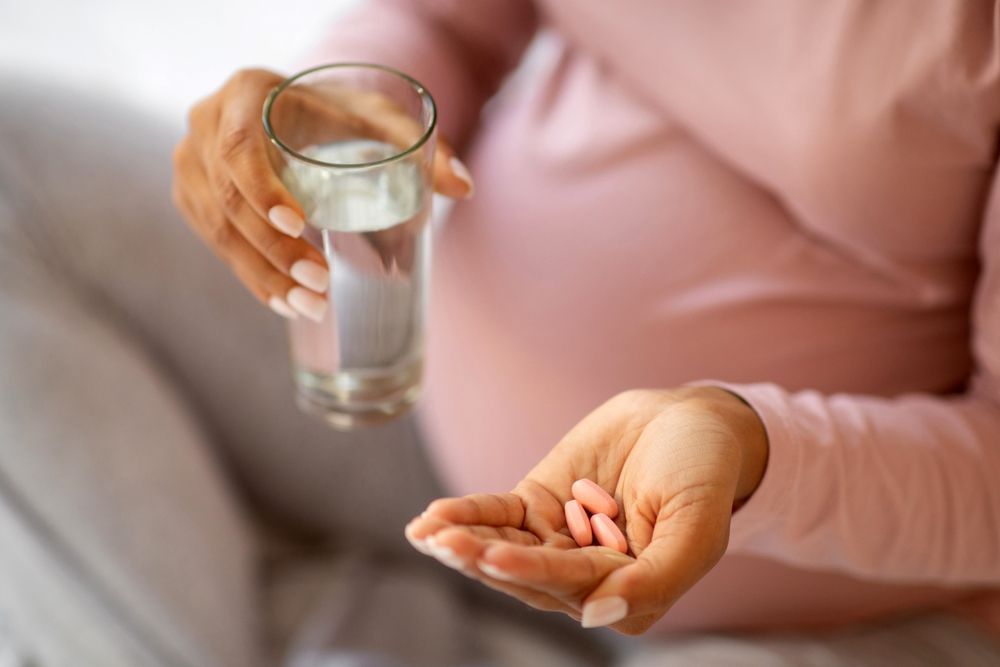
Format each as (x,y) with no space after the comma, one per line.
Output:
(230,195)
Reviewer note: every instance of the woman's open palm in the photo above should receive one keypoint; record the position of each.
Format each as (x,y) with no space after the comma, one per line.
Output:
(675,461)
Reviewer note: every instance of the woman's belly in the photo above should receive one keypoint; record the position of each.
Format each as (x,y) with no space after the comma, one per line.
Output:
(606,250)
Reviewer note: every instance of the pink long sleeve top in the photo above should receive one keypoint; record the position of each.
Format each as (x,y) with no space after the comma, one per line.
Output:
(795,198)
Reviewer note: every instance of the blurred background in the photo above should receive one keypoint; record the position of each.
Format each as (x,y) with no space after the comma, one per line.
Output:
(159,58)
(159,55)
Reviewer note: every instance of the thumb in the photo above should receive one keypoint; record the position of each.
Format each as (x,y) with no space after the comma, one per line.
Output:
(681,552)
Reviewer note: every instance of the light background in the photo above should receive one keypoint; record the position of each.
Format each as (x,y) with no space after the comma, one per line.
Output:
(161,55)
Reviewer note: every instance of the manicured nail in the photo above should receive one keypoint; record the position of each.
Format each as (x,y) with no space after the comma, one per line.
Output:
(446,555)
(286,221)
(604,612)
(493,571)
(417,543)
(312,275)
(279,306)
(307,303)
(463,174)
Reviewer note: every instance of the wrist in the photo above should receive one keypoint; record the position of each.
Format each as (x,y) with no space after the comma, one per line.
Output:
(750,434)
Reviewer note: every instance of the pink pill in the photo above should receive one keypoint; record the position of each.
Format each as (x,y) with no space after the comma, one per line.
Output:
(593,498)
(578,523)
(607,533)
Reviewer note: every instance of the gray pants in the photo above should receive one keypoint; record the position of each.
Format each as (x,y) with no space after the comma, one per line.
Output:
(163,502)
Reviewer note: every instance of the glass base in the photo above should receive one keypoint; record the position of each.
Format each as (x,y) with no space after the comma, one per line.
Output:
(354,399)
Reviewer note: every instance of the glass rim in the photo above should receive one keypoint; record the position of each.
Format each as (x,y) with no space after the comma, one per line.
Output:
(418,87)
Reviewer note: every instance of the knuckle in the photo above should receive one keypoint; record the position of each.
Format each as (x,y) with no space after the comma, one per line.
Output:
(591,574)
(218,179)
(234,141)
(250,77)
(229,195)
(238,78)
(243,75)
(199,115)
(195,114)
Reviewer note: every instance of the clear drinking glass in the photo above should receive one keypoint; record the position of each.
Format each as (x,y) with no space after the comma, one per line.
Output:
(354,143)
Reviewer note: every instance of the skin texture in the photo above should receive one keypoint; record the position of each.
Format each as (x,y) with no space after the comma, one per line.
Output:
(224,183)
(678,460)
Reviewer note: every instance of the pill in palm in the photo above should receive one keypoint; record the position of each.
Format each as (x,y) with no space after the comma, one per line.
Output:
(578,523)
(607,533)
(594,498)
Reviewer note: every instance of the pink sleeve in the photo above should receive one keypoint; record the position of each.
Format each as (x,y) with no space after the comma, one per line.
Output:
(459,49)
(904,489)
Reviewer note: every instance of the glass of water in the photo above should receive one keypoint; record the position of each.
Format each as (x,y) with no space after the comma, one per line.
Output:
(354,144)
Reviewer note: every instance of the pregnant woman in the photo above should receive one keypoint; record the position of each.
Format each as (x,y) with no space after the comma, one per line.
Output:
(738,264)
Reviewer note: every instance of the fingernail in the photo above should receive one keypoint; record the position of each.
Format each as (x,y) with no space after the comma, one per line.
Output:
(418,544)
(604,612)
(307,303)
(446,556)
(286,221)
(312,275)
(279,306)
(491,570)
(462,172)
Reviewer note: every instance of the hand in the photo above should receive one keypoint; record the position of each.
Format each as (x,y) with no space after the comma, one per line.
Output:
(227,190)
(676,461)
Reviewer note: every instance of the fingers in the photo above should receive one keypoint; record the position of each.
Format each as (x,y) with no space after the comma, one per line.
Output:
(273,241)
(251,194)
(422,530)
(462,546)
(459,547)
(238,162)
(554,576)
(227,190)
(485,509)
(563,571)
(272,285)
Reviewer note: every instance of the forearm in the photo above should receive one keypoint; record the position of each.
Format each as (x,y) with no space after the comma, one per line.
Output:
(899,489)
